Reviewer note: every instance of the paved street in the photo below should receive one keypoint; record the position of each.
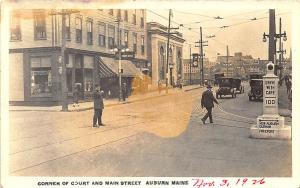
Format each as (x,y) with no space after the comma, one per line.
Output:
(162,136)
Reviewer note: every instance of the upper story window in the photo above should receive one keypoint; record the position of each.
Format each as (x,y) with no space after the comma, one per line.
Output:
(15,27)
(134,42)
(40,25)
(111,37)
(126,15)
(78,26)
(68,28)
(126,36)
(134,17)
(101,34)
(119,13)
(111,12)
(143,45)
(89,32)
(142,19)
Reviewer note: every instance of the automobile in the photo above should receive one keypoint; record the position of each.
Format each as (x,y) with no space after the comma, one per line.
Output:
(256,91)
(226,87)
(237,82)
(217,76)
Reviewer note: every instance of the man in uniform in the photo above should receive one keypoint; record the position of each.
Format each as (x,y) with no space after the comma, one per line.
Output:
(207,101)
(98,106)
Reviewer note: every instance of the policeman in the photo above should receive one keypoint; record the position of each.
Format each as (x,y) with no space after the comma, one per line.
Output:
(207,101)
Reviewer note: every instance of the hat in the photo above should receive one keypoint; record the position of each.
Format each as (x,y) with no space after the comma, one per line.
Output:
(208,86)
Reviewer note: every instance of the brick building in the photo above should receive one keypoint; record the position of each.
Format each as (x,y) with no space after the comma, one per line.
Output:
(35,49)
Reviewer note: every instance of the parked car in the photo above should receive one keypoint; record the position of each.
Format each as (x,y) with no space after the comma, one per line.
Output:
(226,87)
(237,82)
(256,91)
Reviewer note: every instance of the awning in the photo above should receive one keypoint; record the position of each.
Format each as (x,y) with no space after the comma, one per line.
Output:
(109,68)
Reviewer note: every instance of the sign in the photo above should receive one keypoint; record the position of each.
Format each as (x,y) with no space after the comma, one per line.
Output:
(128,54)
(270,93)
(195,60)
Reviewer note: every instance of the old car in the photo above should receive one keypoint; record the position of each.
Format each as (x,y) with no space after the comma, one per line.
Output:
(217,77)
(237,82)
(226,87)
(256,91)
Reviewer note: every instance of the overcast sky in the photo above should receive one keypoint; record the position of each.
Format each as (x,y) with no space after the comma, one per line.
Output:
(242,35)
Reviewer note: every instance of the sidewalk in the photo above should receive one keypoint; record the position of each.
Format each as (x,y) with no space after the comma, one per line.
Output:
(283,104)
(111,102)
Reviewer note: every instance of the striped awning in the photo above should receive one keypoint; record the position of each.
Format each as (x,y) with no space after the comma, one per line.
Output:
(108,67)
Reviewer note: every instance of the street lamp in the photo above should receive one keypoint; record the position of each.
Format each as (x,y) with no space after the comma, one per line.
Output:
(118,53)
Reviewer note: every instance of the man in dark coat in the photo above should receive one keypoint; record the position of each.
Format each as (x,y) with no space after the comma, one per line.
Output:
(98,106)
(207,101)
(124,91)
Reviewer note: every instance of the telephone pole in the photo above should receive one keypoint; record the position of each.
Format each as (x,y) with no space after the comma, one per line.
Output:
(168,51)
(190,64)
(62,59)
(227,54)
(201,54)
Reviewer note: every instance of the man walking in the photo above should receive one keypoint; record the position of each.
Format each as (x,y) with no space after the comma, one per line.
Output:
(124,91)
(207,101)
(98,106)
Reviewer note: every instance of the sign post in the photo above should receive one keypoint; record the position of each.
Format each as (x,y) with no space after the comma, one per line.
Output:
(270,124)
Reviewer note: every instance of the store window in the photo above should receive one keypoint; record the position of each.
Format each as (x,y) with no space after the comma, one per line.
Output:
(40,25)
(88,73)
(15,28)
(101,34)
(41,78)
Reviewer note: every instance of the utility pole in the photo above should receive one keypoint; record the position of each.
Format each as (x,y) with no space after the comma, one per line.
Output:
(119,61)
(190,64)
(62,60)
(63,75)
(168,51)
(227,54)
(168,43)
(201,54)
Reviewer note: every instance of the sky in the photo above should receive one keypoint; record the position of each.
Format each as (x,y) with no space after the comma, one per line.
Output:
(243,34)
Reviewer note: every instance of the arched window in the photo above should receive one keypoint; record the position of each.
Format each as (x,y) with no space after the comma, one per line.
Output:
(161,63)
(170,56)
(179,64)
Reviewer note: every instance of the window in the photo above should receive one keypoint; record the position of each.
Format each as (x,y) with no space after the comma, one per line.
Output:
(15,28)
(134,42)
(111,37)
(41,79)
(120,37)
(89,32)
(134,17)
(40,25)
(142,22)
(68,30)
(126,39)
(142,19)
(111,12)
(101,34)
(143,45)
(78,23)
(126,15)
(119,13)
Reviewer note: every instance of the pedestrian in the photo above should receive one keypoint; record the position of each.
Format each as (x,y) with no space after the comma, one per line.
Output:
(124,91)
(159,86)
(98,106)
(288,86)
(207,101)
(76,96)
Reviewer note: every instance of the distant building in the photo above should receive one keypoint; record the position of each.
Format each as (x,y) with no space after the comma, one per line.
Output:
(191,74)
(157,54)
(35,49)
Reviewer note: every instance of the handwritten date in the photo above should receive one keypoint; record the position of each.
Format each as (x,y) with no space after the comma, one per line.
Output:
(230,183)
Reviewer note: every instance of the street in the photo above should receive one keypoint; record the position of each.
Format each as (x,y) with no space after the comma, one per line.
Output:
(162,136)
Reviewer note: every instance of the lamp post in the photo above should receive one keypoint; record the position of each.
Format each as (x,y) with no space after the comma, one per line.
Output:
(118,54)
(279,36)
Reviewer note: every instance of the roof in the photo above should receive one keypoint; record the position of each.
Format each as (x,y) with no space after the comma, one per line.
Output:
(109,68)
